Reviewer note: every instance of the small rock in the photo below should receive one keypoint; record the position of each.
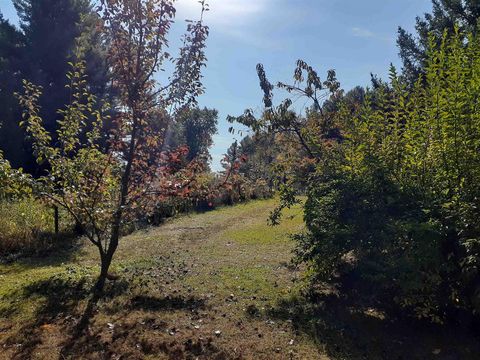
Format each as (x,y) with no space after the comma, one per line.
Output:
(217,333)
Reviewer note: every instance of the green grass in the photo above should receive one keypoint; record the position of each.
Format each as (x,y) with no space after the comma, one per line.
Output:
(225,270)
(259,232)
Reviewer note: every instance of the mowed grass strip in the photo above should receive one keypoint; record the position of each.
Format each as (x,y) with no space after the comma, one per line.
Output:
(200,285)
(260,232)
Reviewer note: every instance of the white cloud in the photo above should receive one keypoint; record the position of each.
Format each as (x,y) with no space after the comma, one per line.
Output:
(367,34)
(236,19)
(364,33)
(224,12)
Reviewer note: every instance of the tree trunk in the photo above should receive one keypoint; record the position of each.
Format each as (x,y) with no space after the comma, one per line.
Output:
(106,260)
(106,257)
(55,209)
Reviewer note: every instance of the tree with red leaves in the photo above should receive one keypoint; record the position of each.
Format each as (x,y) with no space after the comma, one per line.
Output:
(104,189)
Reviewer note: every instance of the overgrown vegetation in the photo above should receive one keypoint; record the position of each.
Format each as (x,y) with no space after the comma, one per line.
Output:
(211,285)
(22,223)
(393,185)
(387,179)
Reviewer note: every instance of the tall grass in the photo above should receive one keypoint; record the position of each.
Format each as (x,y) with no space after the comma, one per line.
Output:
(26,227)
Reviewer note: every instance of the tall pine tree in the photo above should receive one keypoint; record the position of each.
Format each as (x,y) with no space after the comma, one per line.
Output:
(50,33)
(11,58)
(445,14)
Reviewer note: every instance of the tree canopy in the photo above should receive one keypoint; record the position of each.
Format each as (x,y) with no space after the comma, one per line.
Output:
(445,15)
(50,33)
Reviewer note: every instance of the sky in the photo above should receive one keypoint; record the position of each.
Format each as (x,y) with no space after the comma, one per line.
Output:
(356,38)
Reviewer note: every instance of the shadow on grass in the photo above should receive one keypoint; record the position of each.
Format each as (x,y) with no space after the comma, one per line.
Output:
(349,332)
(64,319)
(150,303)
(58,314)
(133,340)
(58,249)
(58,298)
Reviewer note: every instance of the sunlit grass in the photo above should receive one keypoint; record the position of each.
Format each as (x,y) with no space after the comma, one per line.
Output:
(230,259)
(260,232)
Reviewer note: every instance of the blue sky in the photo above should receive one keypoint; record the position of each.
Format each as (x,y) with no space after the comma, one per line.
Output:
(353,37)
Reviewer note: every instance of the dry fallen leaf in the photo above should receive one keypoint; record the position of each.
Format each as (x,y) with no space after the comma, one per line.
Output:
(47,327)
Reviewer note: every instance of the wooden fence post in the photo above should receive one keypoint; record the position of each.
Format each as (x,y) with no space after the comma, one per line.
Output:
(56,219)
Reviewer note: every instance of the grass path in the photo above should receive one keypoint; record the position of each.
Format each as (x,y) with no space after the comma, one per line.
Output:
(198,287)
(217,285)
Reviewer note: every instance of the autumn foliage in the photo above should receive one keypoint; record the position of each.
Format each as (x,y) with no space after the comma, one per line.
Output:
(105,183)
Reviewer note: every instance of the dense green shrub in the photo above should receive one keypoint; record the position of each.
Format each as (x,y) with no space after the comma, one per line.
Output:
(401,191)
(13,183)
(396,246)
